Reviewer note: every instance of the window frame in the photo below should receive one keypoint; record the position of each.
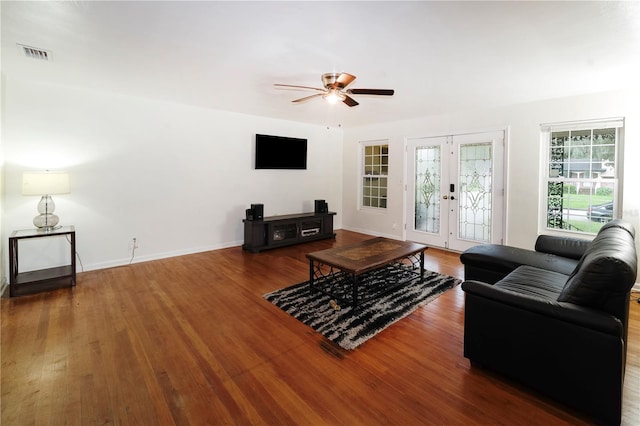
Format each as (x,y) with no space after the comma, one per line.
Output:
(382,190)
(546,131)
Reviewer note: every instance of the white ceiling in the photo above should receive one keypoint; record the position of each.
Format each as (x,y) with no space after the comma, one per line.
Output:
(438,56)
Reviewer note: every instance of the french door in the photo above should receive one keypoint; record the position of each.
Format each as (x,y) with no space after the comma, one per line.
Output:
(455,190)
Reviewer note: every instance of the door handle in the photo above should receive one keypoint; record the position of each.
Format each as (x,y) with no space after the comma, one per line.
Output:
(444,197)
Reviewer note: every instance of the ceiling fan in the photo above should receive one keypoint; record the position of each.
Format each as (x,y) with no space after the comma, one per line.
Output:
(334,89)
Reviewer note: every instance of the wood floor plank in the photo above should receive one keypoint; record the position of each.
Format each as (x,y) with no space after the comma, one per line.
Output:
(191,340)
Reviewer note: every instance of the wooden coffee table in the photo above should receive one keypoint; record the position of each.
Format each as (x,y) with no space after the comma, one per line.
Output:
(366,256)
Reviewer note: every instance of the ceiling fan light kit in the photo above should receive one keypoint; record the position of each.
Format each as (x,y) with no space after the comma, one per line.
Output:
(334,89)
(333,97)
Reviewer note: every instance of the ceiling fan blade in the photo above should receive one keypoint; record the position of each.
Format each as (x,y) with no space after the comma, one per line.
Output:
(306,98)
(343,80)
(350,101)
(384,92)
(299,87)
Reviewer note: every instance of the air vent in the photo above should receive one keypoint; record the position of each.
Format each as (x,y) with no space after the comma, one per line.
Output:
(34,52)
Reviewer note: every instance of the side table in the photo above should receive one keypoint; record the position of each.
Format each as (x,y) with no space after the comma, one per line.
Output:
(21,283)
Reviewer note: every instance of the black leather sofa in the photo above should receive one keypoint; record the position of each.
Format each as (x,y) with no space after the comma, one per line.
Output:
(555,319)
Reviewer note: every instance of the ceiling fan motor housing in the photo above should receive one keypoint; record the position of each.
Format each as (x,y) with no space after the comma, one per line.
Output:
(329,79)
(337,80)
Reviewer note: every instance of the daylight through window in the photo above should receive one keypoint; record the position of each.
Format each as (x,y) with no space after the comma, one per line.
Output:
(582,174)
(375,169)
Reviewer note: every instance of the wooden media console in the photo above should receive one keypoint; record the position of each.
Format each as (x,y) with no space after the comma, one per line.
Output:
(284,230)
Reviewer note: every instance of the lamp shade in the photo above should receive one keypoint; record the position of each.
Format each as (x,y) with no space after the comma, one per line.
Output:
(45,183)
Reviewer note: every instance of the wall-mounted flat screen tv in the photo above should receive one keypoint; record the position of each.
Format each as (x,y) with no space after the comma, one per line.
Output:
(278,152)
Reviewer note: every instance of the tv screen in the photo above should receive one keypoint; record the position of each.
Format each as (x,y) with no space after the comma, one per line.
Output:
(278,152)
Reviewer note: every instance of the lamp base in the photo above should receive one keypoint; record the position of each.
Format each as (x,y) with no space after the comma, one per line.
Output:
(46,221)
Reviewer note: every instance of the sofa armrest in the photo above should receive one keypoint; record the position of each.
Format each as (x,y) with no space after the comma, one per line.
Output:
(561,311)
(573,248)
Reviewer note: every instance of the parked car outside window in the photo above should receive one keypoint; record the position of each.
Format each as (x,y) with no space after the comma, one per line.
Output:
(601,213)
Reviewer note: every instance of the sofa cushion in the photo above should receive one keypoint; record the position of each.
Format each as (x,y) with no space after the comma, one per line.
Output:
(606,272)
(534,282)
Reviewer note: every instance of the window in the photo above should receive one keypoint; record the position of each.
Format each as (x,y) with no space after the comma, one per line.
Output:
(375,169)
(582,174)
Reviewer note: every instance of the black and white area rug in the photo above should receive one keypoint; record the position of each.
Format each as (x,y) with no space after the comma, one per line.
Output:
(350,328)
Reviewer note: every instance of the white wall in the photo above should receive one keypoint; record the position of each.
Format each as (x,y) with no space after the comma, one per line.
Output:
(3,276)
(523,176)
(178,178)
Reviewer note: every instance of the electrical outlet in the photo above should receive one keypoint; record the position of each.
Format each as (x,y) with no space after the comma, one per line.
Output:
(135,243)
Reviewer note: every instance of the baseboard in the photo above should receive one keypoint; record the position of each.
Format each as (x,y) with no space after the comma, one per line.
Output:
(4,285)
(157,256)
(636,287)
(373,234)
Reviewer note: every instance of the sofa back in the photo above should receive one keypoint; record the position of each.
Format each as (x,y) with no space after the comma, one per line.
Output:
(571,248)
(606,272)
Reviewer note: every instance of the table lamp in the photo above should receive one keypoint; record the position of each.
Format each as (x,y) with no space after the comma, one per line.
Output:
(46,184)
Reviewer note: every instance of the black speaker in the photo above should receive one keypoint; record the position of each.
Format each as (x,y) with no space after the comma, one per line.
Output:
(321,206)
(258,211)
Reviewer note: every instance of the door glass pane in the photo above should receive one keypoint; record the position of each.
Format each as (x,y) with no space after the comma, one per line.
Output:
(475,192)
(428,171)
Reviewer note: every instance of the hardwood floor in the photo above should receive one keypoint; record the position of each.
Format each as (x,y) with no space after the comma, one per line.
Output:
(190,340)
